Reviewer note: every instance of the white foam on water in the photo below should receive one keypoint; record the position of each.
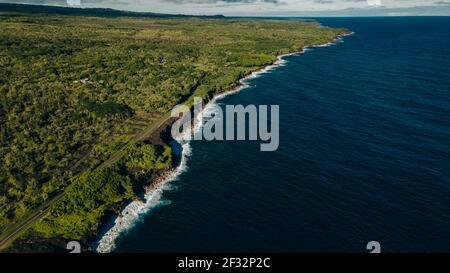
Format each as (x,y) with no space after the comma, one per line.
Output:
(131,214)
(134,211)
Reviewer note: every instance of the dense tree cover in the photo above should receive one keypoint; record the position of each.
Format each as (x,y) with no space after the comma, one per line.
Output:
(141,158)
(90,194)
(103,12)
(86,199)
(73,90)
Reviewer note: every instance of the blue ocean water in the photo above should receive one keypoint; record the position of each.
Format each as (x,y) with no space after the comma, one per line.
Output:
(364,154)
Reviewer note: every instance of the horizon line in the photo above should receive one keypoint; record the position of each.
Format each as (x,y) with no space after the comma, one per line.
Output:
(223,15)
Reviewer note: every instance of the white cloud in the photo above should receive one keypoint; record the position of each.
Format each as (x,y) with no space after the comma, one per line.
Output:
(263,7)
(375,3)
(73,2)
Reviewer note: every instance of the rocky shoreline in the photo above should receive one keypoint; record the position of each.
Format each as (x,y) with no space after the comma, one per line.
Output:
(156,180)
(163,133)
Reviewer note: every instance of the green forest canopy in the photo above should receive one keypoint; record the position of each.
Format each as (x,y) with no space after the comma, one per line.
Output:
(74,90)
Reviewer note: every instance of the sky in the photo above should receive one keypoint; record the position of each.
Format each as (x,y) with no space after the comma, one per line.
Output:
(266,7)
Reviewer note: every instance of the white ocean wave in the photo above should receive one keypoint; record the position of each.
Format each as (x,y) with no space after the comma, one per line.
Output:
(134,211)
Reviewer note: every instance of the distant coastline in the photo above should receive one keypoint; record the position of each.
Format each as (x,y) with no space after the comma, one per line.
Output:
(119,158)
(133,210)
(101,12)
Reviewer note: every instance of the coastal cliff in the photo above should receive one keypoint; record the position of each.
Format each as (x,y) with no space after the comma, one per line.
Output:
(67,209)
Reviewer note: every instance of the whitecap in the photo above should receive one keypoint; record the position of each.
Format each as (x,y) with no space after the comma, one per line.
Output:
(134,212)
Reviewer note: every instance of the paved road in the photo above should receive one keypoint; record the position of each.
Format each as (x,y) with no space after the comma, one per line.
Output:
(13,234)
(10,236)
